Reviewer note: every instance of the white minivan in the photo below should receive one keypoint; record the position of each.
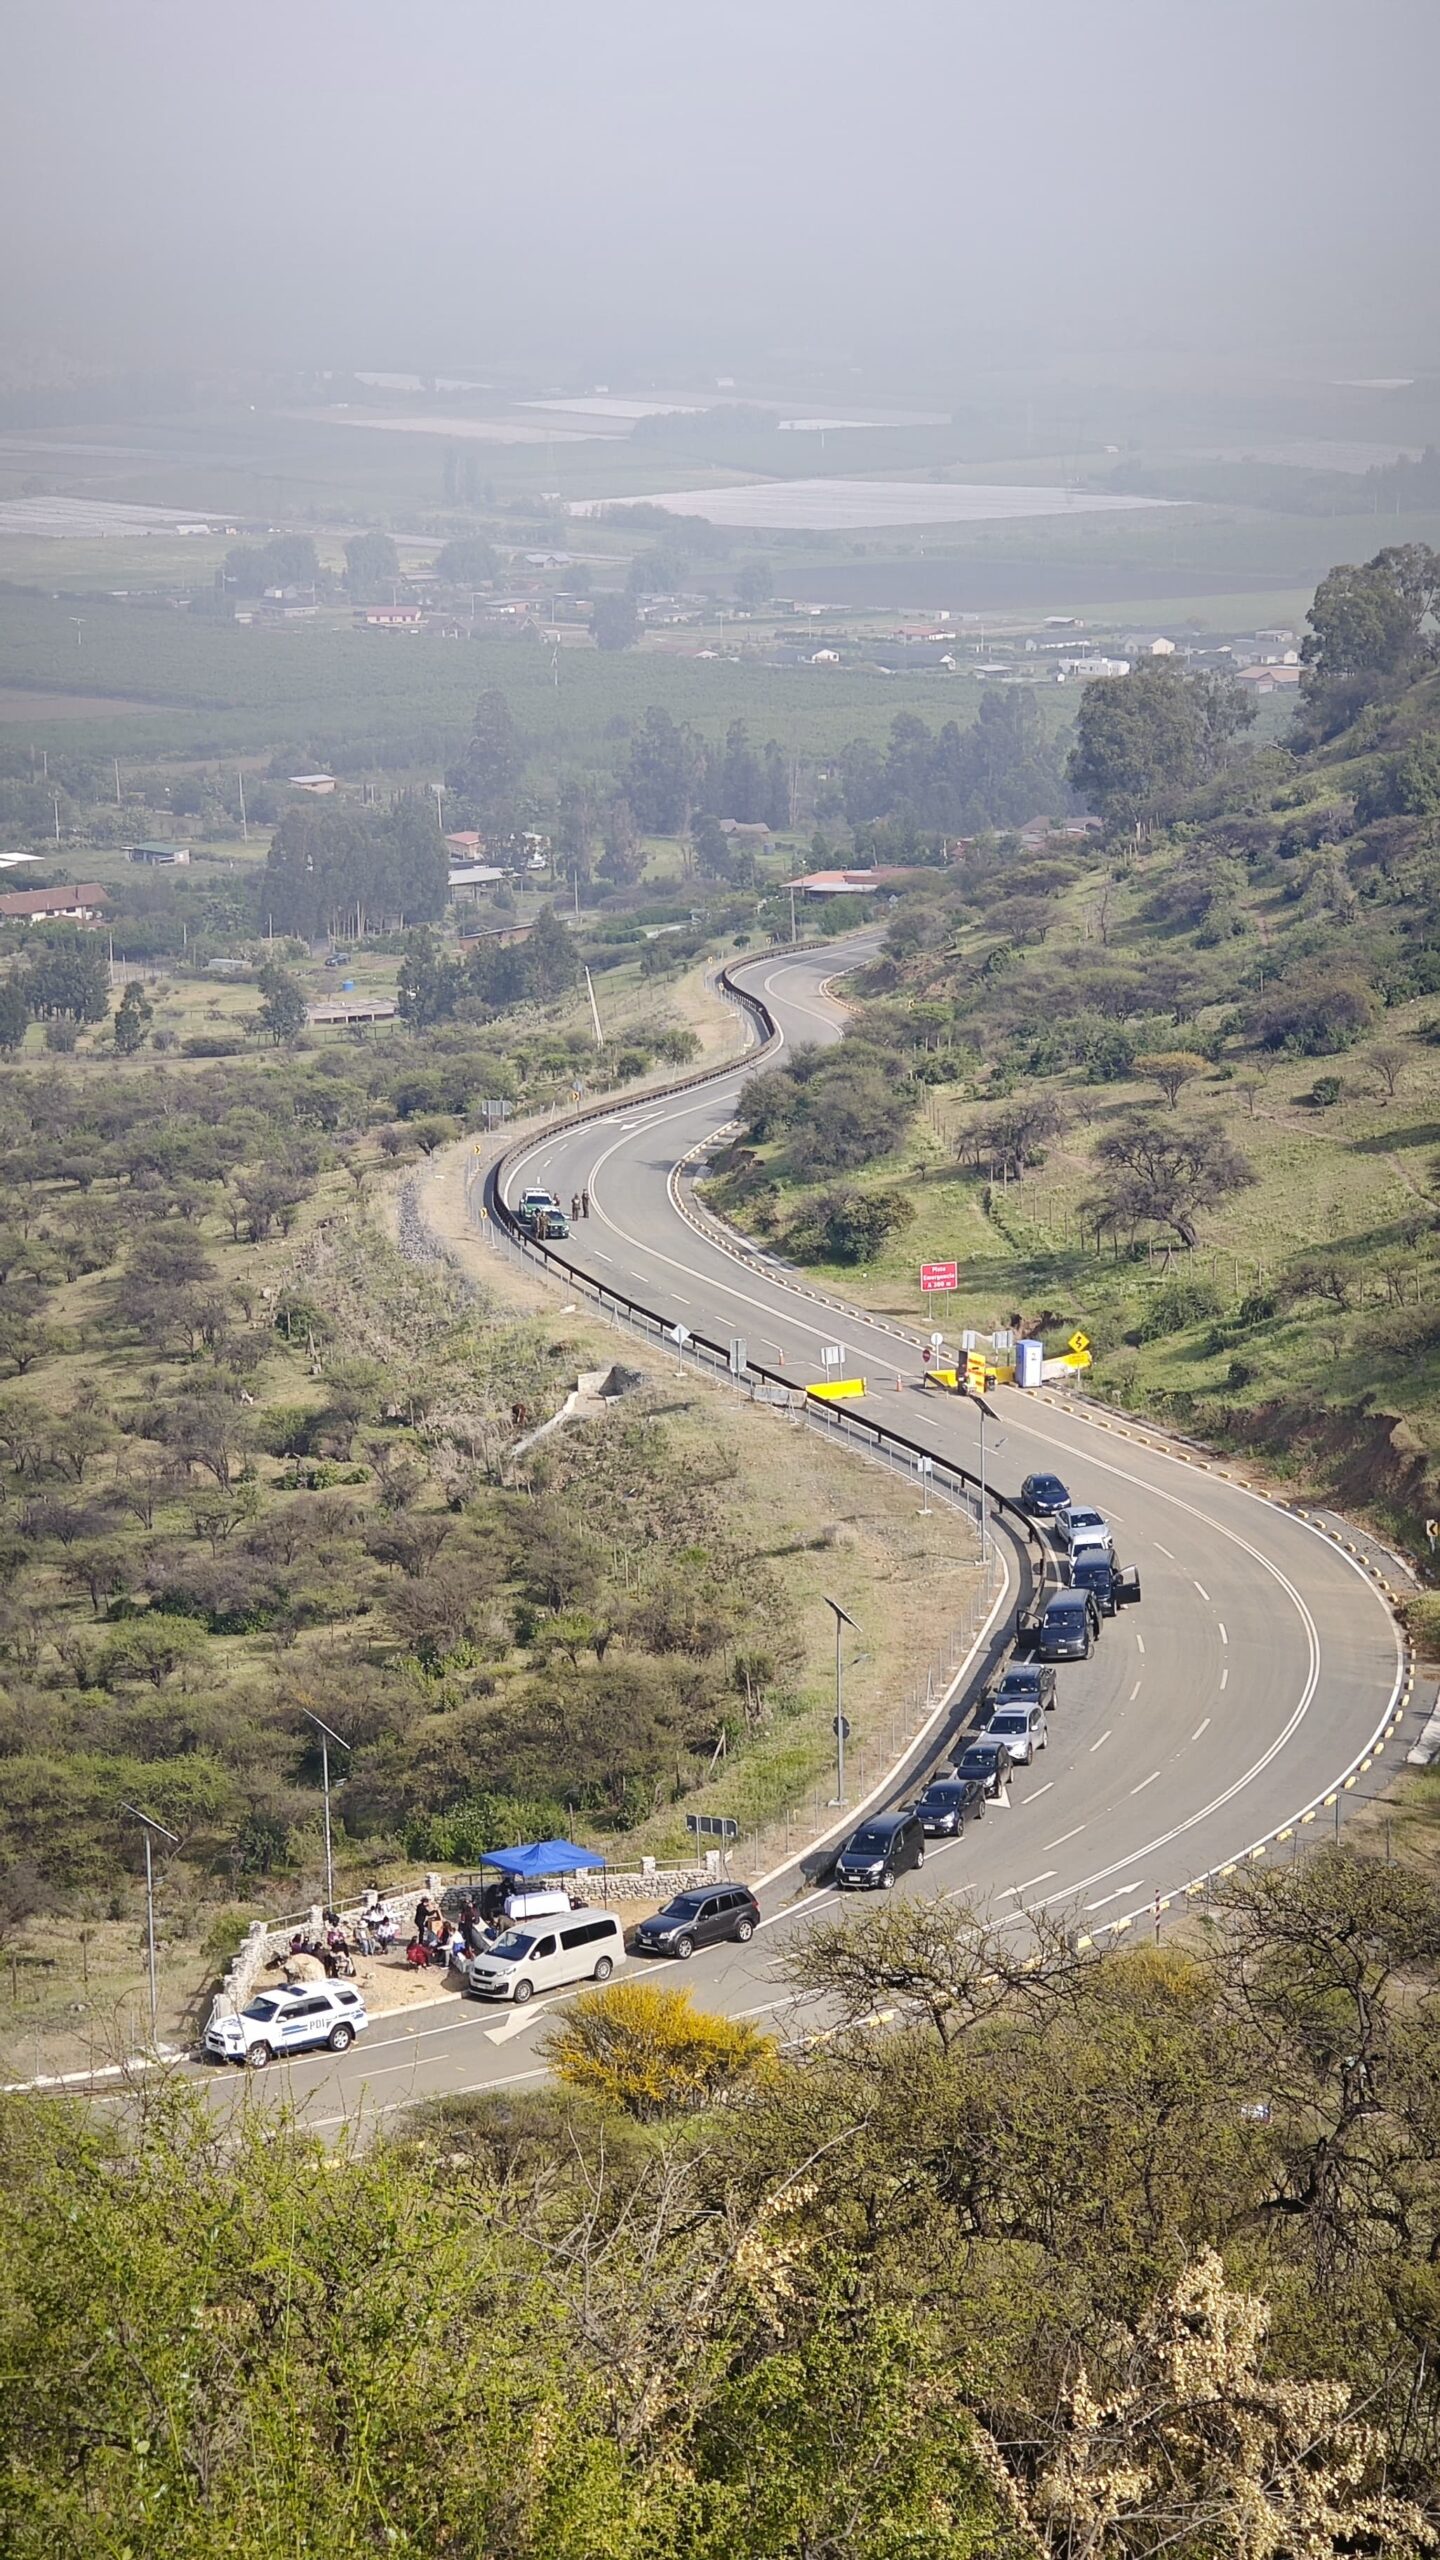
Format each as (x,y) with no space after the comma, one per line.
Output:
(544,1955)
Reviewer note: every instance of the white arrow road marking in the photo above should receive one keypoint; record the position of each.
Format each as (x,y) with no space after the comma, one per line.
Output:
(1120,1889)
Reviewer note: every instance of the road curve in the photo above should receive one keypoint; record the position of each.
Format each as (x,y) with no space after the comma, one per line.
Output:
(1258,1668)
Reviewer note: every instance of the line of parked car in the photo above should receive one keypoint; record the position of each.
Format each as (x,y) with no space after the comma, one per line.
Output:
(558,1947)
(1062,1626)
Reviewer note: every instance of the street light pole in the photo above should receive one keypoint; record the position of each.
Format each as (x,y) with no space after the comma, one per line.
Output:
(987,1414)
(842,1618)
(173,1837)
(327,1735)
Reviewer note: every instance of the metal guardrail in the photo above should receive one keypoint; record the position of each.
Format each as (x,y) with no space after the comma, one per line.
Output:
(951,1481)
(944,1475)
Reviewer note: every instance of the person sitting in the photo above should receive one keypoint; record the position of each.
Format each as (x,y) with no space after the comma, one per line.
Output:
(417,1953)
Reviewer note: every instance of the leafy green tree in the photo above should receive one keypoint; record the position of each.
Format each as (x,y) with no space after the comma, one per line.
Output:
(283,1012)
(70,974)
(551,961)
(662,774)
(615,622)
(372,567)
(468,561)
(849,1226)
(428,983)
(133,1017)
(1375,623)
(14,1011)
(489,772)
(288,560)
(1143,739)
(623,858)
(753,583)
(1164,1177)
(575,829)
(1172,1070)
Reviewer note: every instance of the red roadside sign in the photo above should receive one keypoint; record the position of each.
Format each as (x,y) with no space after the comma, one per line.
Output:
(939,1275)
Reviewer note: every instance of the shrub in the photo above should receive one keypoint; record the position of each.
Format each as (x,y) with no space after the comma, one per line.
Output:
(1175,1305)
(211,1044)
(649,2051)
(1324,1093)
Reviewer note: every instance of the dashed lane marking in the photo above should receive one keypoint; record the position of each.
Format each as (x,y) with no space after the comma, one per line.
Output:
(1134,1694)
(1145,1782)
(1064,1836)
(1200,1587)
(1202,1727)
(1105,1736)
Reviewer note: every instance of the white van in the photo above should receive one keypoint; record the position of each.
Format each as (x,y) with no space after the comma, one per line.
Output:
(544,1955)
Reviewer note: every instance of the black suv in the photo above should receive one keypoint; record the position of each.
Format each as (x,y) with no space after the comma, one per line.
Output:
(947,1805)
(1114,1586)
(700,1918)
(885,1847)
(1043,1496)
(986,1764)
(1069,1627)
(1020,1682)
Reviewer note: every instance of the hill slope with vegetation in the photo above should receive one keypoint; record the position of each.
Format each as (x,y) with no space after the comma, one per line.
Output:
(1181,1081)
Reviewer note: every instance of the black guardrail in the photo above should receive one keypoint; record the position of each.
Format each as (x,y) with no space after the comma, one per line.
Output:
(878,1435)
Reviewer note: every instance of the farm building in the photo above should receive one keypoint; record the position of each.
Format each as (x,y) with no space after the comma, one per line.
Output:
(79,903)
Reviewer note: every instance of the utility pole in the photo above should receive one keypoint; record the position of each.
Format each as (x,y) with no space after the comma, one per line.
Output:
(791,886)
(55,796)
(594,1011)
(327,1736)
(117,782)
(439,790)
(244,822)
(174,1838)
(842,1618)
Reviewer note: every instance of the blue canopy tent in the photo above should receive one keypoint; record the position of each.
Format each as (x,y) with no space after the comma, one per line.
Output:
(538,1859)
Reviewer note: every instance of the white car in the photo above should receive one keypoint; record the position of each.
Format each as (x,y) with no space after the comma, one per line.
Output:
(1022,1729)
(293,2018)
(1080,1526)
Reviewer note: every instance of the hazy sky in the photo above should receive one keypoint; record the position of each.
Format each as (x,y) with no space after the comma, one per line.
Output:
(603,183)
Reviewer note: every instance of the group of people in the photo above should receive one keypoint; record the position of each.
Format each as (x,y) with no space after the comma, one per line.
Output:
(579,1206)
(436,1940)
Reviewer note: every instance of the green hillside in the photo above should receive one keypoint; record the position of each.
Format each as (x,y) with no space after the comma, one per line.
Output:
(1180,1081)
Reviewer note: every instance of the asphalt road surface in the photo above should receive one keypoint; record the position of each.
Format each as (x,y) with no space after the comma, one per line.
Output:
(1260,1663)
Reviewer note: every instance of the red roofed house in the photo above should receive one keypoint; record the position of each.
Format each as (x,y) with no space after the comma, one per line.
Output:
(79,903)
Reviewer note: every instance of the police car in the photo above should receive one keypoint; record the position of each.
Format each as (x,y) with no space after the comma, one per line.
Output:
(294,2018)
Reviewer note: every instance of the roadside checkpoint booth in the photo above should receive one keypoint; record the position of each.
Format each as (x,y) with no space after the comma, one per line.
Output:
(535,1877)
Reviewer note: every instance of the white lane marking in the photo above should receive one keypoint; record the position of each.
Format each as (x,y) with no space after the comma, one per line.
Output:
(1085,1451)
(1115,1896)
(1029,1881)
(1220,1623)
(603,1257)
(1039,1792)
(1134,1694)
(1064,1836)
(1200,1587)
(1105,1736)
(1202,1727)
(1139,1639)
(321,2124)
(1163,1551)
(1145,1782)
(1225,1678)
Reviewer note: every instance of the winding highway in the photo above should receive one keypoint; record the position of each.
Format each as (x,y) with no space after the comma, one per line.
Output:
(1261,1666)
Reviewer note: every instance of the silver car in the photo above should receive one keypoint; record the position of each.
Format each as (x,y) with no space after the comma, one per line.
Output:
(1021,1728)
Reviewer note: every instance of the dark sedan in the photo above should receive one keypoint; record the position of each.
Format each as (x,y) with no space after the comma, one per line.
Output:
(983,1764)
(948,1804)
(1069,1627)
(1022,1681)
(1042,1496)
